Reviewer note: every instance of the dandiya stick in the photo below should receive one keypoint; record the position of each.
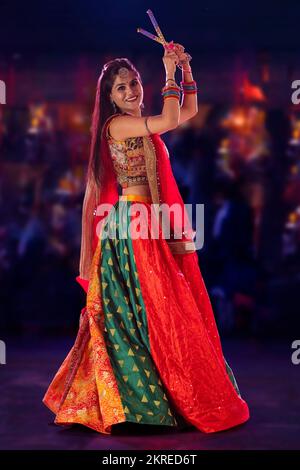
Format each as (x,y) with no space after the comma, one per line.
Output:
(160,38)
(156,27)
(149,35)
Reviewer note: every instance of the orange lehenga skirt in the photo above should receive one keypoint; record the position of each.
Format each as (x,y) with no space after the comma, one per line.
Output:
(147,349)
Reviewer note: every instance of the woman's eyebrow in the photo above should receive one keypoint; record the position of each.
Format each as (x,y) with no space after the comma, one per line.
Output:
(124,83)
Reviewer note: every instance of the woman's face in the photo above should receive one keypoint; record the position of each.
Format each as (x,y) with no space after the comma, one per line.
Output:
(127,91)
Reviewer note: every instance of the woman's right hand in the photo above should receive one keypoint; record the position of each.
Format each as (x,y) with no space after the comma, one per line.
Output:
(170,60)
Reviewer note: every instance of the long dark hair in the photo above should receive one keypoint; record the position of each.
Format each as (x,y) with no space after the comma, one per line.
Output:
(103,109)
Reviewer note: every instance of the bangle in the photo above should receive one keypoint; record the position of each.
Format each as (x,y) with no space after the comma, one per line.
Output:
(171,79)
(189,88)
(184,62)
(146,124)
(172,96)
(171,87)
(171,92)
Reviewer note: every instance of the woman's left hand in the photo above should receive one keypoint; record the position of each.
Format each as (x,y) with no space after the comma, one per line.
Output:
(182,56)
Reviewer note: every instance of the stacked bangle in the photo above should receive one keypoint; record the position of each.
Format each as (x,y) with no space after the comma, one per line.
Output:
(171,80)
(171,91)
(189,88)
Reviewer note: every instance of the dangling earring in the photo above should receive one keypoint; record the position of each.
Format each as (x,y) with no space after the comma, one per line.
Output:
(142,106)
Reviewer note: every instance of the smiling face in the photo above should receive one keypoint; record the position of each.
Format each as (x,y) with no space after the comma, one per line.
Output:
(127,92)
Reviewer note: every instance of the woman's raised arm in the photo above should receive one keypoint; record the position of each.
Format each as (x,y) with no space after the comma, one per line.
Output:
(123,127)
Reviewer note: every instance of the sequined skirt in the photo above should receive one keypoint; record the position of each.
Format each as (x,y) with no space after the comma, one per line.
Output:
(147,349)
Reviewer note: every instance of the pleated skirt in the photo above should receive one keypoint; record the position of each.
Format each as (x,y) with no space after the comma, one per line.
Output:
(148,349)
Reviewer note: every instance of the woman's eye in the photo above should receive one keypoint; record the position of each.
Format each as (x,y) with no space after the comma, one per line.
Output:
(122,87)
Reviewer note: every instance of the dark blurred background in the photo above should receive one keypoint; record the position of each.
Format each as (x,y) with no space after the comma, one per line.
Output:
(240,155)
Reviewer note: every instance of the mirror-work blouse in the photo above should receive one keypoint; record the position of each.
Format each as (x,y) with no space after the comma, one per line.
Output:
(128,160)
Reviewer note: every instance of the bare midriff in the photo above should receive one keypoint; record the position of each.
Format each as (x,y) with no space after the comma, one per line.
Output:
(141,189)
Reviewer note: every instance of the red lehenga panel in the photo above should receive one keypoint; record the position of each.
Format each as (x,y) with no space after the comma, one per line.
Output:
(184,340)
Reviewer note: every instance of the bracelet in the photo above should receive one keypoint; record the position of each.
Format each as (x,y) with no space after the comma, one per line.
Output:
(189,88)
(175,86)
(171,91)
(184,62)
(171,79)
(172,96)
(146,124)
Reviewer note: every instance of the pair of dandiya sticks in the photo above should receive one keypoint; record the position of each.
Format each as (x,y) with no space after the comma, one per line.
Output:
(160,37)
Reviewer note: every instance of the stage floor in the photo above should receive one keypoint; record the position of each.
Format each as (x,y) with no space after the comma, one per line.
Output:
(268,381)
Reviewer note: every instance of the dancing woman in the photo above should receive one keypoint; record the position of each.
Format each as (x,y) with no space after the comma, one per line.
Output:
(147,349)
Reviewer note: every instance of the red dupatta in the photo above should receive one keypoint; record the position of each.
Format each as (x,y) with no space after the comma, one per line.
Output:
(164,190)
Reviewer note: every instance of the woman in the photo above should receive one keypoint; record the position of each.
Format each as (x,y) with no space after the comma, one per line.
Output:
(147,350)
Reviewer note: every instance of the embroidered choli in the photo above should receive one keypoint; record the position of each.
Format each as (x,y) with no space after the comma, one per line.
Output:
(128,160)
